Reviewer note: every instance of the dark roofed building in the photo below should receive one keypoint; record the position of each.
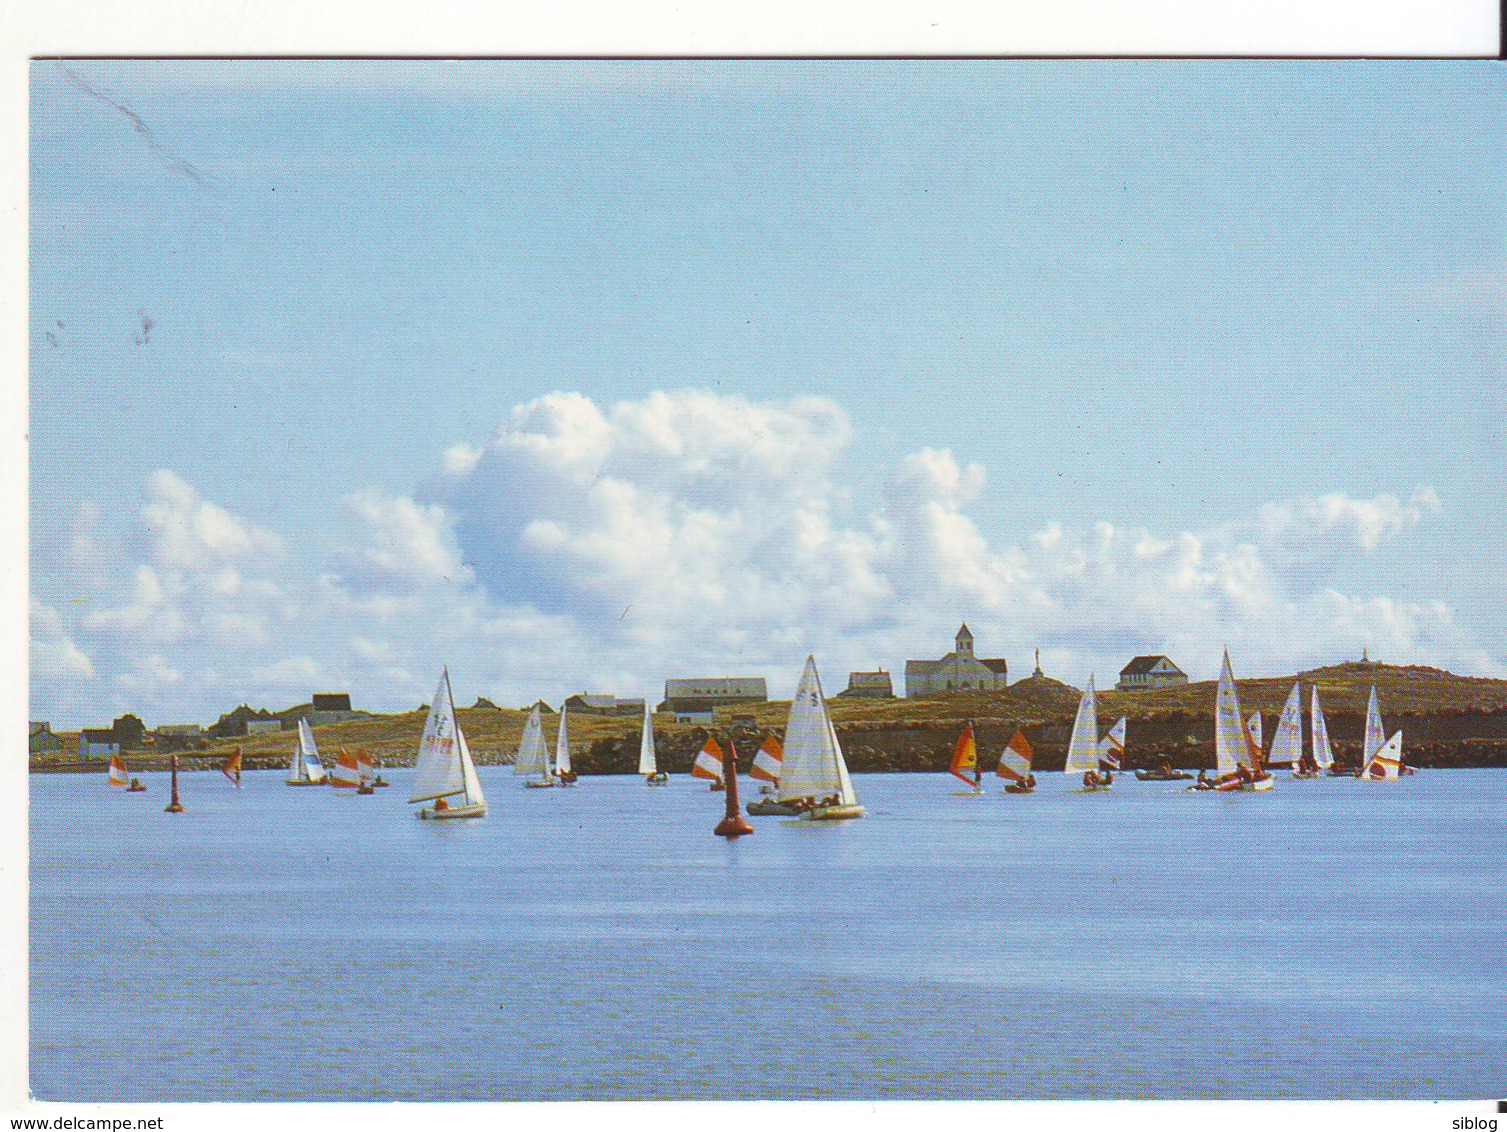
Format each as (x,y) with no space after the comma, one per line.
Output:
(332,701)
(869,686)
(693,700)
(1151,672)
(600,703)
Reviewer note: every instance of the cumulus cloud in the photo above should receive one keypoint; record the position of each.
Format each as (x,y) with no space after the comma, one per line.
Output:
(183,530)
(54,656)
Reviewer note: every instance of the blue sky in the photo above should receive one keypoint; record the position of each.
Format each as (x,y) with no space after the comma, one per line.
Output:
(457,362)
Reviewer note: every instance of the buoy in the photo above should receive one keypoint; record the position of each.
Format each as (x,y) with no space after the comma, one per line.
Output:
(734,824)
(175,806)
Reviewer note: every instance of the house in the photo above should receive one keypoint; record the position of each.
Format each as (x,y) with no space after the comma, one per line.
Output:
(41,740)
(869,686)
(1150,672)
(600,703)
(128,731)
(692,700)
(256,726)
(958,671)
(97,743)
(180,737)
(324,707)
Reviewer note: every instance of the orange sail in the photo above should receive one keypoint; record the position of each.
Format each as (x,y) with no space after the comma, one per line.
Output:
(964,757)
(768,760)
(364,766)
(1015,761)
(708,762)
(232,767)
(118,774)
(345,772)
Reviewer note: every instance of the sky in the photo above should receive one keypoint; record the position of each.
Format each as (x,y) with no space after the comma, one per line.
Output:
(585,375)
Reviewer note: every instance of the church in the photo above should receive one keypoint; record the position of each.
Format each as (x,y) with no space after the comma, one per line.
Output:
(958,671)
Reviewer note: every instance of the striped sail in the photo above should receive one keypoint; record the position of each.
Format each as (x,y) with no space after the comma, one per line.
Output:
(708,762)
(118,775)
(533,751)
(1232,742)
(1083,747)
(1323,754)
(964,757)
(813,766)
(1375,736)
(364,766)
(562,746)
(1287,744)
(232,767)
(1112,746)
(766,763)
(1386,764)
(346,773)
(648,762)
(1015,761)
(437,772)
(1253,725)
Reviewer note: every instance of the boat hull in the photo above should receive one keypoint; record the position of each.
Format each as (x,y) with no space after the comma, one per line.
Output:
(1017,788)
(1159,776)
(657,780)
(453,813)
(833,813)
(769,807)
(304,782)
(536,784)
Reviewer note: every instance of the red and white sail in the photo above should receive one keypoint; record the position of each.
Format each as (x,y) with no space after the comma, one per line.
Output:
(1112,746)
(964,757)
(365,773)
(769,760)
(708,762)
(232,767)
(345,774)
(1015,761)
(118,775)
(1386,764)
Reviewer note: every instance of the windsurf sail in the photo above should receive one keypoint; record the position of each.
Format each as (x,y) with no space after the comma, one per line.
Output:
(345,774)
(964,757)
(768,759)
(118,775)
(364,769)
(1112,746)
(708,762)
(232,767)
(1015,760)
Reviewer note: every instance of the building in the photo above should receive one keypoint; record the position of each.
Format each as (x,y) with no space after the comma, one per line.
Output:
(325,707)
(254,726)
(869,686)
(1150,672)
(692,700)
(958,671)
(41,740)
(600,703)
(180,737)
(128,731)
(97,743)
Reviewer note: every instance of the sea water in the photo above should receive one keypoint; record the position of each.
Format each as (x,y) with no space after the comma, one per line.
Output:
(1332,938)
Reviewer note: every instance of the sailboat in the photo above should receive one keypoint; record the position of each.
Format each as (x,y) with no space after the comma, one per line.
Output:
(1253,725)
(1237,762)
(532,763)
(364,774)
(1287,743)
(306,769)
(232,767)
(708,764)
(1015,766)
(346,775)
(1112,747)
(648,758)
(444,773)
(814,777)
(1371,743)
(965,761)
(1083,747)
(1386,764)
(117,774)
(563,773)
(767,762)
(1322,759)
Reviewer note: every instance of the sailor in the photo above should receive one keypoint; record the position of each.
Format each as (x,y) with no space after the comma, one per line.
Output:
(978,777)
(440,804)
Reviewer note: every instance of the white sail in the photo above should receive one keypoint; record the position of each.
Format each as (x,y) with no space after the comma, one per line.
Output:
(438,772)
(1387,762)
(1083,747)
(1323,754)
(533,751)
(1231,740)
(1375,736)
(1287,744)
(306,762)
(648,762)
(813,766)
(562,746)
(474,796)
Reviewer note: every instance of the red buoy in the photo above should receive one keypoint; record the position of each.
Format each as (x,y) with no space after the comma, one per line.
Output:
(175,806)
(734,824)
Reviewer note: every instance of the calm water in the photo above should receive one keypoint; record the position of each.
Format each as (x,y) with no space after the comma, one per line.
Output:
(1330,939)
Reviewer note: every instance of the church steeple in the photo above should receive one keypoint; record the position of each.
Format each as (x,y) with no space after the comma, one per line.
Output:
(964,640)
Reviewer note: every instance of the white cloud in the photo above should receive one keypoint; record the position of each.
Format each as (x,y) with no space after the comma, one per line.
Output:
(184,530)
(54,656)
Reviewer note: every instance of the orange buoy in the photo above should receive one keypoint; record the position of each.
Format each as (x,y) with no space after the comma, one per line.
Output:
(175,806)
(734,824)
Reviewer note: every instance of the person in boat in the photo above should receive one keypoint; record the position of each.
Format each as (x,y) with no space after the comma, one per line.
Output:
(978,777)
(1031,780)
(1090,780)
(440,804)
